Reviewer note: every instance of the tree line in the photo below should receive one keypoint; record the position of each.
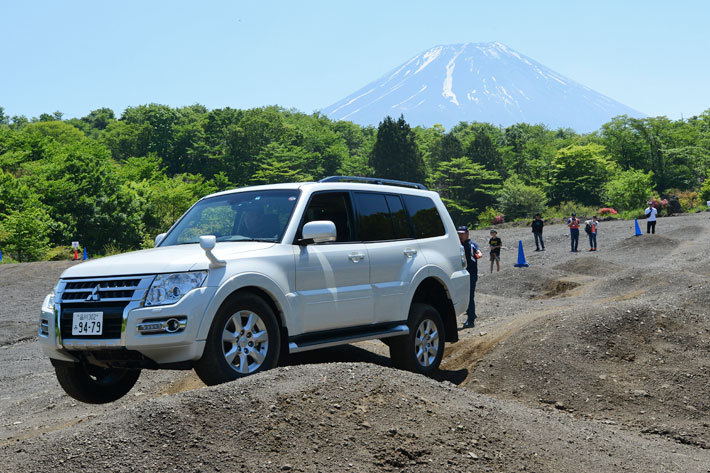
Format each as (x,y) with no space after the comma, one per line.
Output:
(113,183)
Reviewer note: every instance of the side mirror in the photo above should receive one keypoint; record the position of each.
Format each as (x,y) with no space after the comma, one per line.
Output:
(318,231)
(159,239)
(207,243)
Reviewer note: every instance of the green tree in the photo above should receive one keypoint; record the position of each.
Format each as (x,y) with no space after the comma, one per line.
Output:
(447,148)
(26,233)
(465,187)
(628,190)
(483,151)
(578,174)
(516,199)
(396,155)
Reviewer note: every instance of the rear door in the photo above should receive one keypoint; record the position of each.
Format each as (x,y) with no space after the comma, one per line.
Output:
(333,279)
(394,255)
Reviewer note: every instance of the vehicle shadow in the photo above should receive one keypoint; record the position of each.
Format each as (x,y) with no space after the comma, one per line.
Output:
(354,354)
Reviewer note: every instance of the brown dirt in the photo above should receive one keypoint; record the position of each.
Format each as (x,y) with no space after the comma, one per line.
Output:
(582,362)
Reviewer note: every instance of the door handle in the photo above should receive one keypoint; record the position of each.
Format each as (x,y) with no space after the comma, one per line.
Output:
(410,252)
(356,257)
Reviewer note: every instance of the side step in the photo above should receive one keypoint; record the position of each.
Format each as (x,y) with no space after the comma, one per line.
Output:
(343,339)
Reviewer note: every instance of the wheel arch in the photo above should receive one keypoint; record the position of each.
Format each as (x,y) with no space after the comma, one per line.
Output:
(433,291)
(257,284)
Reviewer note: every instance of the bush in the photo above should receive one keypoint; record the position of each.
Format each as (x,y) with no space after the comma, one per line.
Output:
(486,218)
(606,211)
(689,201)
(565,209)
(518,200)
(60,253)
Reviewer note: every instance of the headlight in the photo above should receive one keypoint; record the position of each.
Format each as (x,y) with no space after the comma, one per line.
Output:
(169,288)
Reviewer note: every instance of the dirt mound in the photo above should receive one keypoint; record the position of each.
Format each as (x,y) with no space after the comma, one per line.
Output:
(341,417)
(589,266)
(638,365)
(654,244)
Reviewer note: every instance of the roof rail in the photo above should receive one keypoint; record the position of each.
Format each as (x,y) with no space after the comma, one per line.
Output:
(374,180)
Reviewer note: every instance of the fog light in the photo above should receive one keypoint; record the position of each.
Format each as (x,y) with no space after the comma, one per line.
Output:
(44,328)
(171,325)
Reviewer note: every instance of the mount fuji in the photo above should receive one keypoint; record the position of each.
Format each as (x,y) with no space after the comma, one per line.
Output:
(485,82)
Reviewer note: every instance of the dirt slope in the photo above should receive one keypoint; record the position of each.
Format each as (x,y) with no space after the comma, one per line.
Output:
(344,417)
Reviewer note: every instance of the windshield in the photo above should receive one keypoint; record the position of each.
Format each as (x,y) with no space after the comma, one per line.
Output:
(242,216)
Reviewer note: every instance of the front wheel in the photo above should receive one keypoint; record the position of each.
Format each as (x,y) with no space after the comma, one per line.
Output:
(93,384)
(244,339)
(422,349)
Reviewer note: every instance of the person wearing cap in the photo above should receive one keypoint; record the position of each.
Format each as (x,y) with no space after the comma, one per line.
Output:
(651,212)
(573,224)
(473,253)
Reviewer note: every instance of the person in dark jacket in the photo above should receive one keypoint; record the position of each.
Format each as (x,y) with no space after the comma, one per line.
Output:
(537,225)
(473,253)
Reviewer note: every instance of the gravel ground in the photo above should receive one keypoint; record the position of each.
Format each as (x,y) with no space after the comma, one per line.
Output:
(581,362)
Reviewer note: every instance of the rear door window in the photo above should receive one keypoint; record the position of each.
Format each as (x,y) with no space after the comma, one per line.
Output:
(425,218)
(374,219)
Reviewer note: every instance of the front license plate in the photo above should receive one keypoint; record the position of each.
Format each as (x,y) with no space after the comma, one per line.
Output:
(88,323)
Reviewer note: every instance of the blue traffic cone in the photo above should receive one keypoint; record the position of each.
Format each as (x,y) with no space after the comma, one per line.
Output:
(521,256)
(638,230)
(0,255)
(85,255)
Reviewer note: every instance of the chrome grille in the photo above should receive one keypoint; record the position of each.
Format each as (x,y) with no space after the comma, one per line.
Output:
(108,290)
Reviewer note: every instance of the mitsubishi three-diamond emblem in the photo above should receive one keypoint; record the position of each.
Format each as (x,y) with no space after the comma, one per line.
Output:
(94,296)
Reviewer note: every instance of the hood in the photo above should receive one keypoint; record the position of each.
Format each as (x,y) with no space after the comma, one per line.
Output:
(167,259)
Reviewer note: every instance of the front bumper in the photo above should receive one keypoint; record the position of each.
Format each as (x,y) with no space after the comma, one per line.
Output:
(161,348)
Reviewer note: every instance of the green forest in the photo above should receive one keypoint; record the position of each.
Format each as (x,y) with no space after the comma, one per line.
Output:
(113,183)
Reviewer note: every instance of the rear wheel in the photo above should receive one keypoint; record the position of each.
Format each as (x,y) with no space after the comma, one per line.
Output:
(93,384)
(244,339)
(422,349)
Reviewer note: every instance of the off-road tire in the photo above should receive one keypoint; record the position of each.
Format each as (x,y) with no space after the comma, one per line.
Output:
(422,349)
(95,385)
(215,366)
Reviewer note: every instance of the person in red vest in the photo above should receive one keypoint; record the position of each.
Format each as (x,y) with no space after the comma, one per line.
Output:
(573,224)
(591,226)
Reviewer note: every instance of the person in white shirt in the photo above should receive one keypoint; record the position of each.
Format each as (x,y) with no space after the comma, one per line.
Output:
(591,226)
(651,213)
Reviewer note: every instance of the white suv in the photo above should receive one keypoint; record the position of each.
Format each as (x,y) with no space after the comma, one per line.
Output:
(249,275)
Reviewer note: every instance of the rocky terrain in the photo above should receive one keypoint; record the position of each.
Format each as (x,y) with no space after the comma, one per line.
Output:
(581,362)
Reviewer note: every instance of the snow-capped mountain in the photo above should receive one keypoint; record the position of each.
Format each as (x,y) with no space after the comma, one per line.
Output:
(486,82)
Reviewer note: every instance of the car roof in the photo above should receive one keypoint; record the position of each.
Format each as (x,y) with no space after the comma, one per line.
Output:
(317,186)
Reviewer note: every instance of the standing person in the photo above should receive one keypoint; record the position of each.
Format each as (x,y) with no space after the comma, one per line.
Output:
(591,226)
(537,225)
(651,212)
(496,244)
(473,253)
(573,224)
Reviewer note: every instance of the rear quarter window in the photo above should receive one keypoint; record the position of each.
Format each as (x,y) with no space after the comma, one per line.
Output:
(425,218)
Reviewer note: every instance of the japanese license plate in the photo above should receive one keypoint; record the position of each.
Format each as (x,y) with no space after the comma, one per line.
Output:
(88,323)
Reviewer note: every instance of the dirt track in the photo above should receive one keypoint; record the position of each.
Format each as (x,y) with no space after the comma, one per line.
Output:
(582,362)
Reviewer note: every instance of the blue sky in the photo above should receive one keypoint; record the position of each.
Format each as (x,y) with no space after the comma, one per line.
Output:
(76,56)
